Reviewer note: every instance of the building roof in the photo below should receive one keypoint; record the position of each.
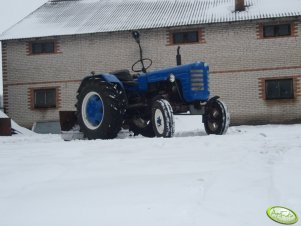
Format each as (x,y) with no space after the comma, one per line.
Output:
(71,17)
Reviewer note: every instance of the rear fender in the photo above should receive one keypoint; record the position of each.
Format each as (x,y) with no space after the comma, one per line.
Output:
(208,105)
(211,100)
(105,78)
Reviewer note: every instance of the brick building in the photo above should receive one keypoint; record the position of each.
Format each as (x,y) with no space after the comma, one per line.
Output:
(253,49)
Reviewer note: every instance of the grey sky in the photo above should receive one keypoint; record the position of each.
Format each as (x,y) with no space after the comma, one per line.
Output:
(12,11)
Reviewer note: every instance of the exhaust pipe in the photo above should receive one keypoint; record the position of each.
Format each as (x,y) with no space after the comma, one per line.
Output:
(179,58)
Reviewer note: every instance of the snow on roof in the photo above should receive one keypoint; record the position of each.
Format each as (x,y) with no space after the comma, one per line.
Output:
(91,16)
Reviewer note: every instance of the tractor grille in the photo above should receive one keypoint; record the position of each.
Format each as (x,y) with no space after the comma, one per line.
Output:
(197,80)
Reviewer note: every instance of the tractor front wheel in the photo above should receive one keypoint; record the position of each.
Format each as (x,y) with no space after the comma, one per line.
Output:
(216,118)
(162,118)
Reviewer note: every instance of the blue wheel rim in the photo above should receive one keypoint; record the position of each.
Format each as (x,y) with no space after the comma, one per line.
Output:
(92,110)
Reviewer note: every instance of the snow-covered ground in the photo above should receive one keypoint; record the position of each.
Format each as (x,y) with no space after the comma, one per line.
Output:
(189,180)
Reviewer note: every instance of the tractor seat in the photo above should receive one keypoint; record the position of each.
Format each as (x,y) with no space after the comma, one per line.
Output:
(123,75)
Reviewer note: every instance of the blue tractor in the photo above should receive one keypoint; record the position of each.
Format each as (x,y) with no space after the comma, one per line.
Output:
(145,103)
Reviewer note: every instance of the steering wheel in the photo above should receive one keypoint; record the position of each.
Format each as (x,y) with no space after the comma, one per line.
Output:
(143,68)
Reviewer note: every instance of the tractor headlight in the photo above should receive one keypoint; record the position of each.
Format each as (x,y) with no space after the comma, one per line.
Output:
(172,78)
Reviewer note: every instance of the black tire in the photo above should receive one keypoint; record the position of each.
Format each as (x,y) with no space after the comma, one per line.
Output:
(105,119)
(142,126)
(162,118)
(216,118)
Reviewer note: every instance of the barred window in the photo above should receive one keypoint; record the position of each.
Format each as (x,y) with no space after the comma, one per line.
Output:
(45,98)
(276,30)
(185,37)
(42,47)
(279,89)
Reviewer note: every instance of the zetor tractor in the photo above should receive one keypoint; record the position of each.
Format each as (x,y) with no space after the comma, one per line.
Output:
(145,102)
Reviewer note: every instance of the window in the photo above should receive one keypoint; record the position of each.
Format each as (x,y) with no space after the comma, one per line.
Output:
(276,30)
(45,98)
(42,47)
(279,89)
(185,37)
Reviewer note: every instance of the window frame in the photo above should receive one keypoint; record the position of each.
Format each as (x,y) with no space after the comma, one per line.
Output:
(185,37)
(54,105)
(276,29)
(279,97)
(260,29)
(199,32)
(31,44)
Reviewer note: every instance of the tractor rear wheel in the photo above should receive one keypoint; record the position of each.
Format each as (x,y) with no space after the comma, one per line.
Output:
(100,110)
(216,118)
(142,126)
(162,118)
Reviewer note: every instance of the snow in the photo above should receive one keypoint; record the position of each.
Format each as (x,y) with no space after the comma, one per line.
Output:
(17,129)
(191,179)
(93,16)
